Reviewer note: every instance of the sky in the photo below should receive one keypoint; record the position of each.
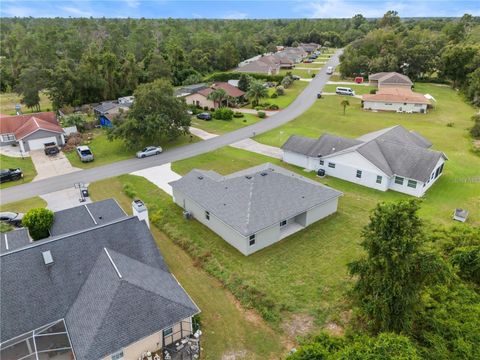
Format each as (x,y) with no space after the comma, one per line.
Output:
(231,9)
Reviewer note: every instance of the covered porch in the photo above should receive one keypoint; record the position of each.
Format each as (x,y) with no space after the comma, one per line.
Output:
(292,225)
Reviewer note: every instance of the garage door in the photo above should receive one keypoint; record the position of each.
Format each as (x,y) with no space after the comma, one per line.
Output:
(37,144)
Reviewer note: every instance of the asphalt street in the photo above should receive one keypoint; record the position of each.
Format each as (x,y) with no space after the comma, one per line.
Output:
(304,101)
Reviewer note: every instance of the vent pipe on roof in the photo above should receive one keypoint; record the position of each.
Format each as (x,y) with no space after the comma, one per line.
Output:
(47,258)
(140,210)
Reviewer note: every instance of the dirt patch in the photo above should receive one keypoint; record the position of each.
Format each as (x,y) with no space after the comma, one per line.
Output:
(476,144)
(235,355)
(334,329)
(250,315)
(298,325)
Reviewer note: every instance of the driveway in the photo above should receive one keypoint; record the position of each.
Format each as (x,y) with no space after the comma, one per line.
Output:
(64,199)
(50,166)
(160,176)
(302,103)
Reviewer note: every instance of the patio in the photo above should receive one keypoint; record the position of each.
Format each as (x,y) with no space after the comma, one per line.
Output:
(187,348)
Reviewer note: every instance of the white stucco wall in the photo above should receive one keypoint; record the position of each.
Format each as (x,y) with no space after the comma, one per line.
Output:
(321,211)
(296,159)
(202,100)
(385,106)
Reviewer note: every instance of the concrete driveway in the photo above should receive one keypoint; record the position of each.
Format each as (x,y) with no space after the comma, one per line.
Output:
(50,166)
(160,176)
(64,199)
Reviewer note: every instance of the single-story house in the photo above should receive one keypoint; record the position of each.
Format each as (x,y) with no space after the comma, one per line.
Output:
(108,110)
(259,67)
(189,89)
(200,98)
(389,159)
(101,290)
(31,131)
(284,61)
(296,54)
(309,47)
(384,80)
(396,99)
(254,208)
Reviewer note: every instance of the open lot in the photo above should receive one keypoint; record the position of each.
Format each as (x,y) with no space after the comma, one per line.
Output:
(359,89)
(9,100)
(106,151)
(228,329)
(459,185)
(26,164)
(219,127)
(304,74)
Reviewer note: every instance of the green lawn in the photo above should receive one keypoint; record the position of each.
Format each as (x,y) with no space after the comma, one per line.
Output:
(219,127)
(286,99)
(305,74)
(227,328)
(359,89)
(9,100)
(312,65)
(26,164)
(457,187)
(106,151)
(24,205)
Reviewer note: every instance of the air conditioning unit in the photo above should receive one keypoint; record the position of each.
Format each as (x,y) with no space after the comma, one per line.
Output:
(187,215)
(321,173)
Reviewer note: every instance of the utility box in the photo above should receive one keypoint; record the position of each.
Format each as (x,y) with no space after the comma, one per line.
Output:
(140,210)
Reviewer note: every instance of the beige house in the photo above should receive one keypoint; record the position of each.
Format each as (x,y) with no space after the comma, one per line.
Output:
(384,80)
(200,98)
(398,99)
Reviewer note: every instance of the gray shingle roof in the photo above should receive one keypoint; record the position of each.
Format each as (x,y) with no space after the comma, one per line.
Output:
(392,78)
(394,150)
(255,198)
(106,106)
(14,239)
(83,287)
(86,216)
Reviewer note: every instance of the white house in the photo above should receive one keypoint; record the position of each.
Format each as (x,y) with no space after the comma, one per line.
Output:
(392,158)
(251,209)
(396,99)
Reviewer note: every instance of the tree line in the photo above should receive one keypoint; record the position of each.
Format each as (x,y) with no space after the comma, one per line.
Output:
(443,51)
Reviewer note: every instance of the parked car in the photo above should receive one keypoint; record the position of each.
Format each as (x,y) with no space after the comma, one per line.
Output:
(51,148)
(84,153)
(12,218)
(330,70)
(307,61)
(10,175)
(149,151)
(295,77)
(204,116)
(345,91)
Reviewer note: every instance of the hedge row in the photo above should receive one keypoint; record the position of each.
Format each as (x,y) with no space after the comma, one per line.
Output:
(225,76)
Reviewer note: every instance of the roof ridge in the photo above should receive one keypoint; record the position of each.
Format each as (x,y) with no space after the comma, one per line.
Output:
(383,155)
(250,195)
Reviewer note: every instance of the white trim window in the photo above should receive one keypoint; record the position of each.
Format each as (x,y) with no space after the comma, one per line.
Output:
(379,179)
(207,215)
(398,180)
(251,240)
(359,174)
(283,223)
(117,356)
(8,137)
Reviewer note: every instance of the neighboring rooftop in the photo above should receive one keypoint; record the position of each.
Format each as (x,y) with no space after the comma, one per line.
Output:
(390,78)
(13,240)
(394,150)
(254,199)
(396,95)
(23,125)
(109,283)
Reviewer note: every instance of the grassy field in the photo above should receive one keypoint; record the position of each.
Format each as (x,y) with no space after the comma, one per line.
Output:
(304,74)
(106,151)
(221,126)
(284,100)
(313,65)
(9,100)
(24,205)
(359,89)
(26,164)
(229,329)
(458,187)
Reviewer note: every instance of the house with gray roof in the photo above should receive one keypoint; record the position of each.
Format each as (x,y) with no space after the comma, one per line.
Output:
(99,291)
(384,80)
(389,159)
(251,209)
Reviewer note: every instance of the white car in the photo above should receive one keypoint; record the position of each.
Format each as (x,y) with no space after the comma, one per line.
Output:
(85,154)
(330,70)
(149,151)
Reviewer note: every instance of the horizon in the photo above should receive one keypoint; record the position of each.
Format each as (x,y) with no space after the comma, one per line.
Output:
(235,10)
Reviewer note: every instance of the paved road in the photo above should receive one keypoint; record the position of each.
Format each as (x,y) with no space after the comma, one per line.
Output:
(296,108)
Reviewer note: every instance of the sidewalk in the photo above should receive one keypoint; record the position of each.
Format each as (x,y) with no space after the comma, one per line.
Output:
(160,176)
(254,112)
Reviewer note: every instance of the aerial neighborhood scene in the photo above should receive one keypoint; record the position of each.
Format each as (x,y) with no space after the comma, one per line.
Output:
(239,180)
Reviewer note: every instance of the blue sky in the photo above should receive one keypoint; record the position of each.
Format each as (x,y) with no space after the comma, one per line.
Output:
(226,9)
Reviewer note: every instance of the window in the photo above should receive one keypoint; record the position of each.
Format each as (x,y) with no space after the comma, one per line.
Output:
(441,169)
(117,356)
(331,165)
(252,240)
(412,184)
(207,215)
(388,104)
(322,162)
(379,179)
(398,180)
(8,137)
(283,223)
(167,331)
(437,173)
(359,174)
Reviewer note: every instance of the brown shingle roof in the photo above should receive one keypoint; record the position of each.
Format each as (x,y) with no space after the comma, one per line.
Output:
(229,89)
(397,95)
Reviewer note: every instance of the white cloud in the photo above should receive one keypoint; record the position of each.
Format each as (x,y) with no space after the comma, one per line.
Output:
(235,15)
(132,3)
(75,12)
(19,11)
(347,9)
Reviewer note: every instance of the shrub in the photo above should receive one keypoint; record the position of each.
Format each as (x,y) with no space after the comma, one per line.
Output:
(238,114)
(280,90)
(273,107)
(223,113)
(475,130)
(450,124)
(129,191)
(274,95)
(38,221)
(212,109)
(373,91)
(205,108)
(258,108)
(225,76)
(261,114)
(287,81)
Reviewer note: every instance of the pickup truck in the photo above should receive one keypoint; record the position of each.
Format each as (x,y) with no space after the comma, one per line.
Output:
(84,153)
(51,149)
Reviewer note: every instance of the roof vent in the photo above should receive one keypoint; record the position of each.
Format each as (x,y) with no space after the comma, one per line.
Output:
(47,257)
(248,176)
(263,174)
(200,177)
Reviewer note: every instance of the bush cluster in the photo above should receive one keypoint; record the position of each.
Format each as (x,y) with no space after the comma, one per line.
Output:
(238,114)
(261,114)
(223,113)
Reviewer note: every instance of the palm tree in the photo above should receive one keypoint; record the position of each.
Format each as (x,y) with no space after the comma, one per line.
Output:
(256,91)
(217,96)
(345,103)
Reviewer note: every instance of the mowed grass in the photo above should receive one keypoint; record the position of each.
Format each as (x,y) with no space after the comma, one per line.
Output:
(219,127)
(24,205)
(458,186)
(26,164)
(106,151)
(304,74)
(227,328)
(359,89)
(9,100)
